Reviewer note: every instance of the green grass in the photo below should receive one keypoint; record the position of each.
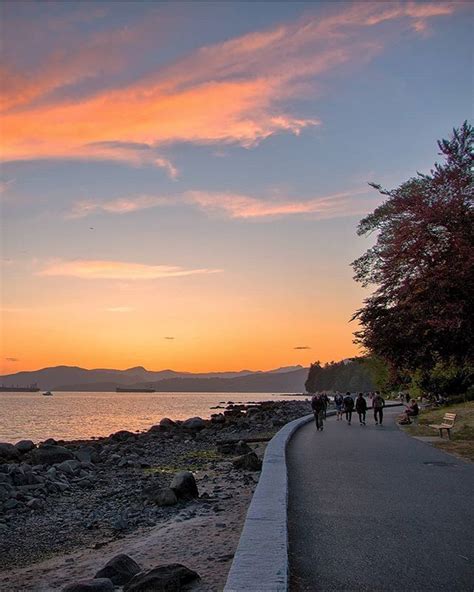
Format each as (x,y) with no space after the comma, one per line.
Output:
(462,435)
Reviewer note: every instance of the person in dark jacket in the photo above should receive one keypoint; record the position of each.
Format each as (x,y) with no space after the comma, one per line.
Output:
(378,403)
(361,408)
(317,405)
(326,404)
(339,403)
(348,407)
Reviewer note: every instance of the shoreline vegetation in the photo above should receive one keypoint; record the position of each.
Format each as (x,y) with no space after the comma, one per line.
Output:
(66,508)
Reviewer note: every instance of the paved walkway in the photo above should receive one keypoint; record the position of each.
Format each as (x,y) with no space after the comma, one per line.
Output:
(374,509)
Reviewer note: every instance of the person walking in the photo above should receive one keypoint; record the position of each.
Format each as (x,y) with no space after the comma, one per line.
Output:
(348,407)
(317,405)
(326,402)
(378,403)
(361,408)
(339,403)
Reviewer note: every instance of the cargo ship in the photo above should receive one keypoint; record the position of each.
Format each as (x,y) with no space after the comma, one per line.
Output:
(123,389)
(33,388)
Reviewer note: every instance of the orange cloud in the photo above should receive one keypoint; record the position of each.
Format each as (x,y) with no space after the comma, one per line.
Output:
(116,270)
(227,92)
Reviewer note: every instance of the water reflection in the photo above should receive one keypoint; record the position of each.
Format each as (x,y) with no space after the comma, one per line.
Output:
(71,415)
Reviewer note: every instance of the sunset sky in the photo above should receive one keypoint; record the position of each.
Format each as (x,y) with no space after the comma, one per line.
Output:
(182,182)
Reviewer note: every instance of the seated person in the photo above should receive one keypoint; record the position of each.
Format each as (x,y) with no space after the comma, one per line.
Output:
(411,410)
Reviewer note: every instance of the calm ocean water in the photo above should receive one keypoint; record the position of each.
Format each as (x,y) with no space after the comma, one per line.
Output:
(69,415)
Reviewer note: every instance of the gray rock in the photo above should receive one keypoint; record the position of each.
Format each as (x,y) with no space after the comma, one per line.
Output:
(8,452)
(49,442)
(121,522)
(167,423)
(161,496)
(51,473)
(184,485)
(239,448)
(85,484)
(24,446)
(194,423)
(50,454)
(91,585)
(120,570)
(87,454)
(6,491)
(218,418)
(166,578)
(70,467)
(249,462)
(11,504)
(35,504)
(122,436)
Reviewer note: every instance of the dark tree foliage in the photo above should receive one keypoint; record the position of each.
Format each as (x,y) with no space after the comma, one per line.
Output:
(421,314)
(350,375)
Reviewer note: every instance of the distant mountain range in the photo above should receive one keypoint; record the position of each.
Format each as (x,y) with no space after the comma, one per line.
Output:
(72,378)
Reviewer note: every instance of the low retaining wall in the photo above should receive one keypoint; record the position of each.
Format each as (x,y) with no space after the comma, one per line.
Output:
(261,560)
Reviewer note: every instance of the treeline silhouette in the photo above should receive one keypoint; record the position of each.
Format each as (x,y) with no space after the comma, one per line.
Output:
(348,375)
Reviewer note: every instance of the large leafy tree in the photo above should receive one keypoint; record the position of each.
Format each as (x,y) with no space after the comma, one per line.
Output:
(421,314)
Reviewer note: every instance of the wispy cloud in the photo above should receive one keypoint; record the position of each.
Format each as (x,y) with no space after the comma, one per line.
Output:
(169,338)
(12,359)
(248,207)
(123,205)
(119,309)
(233,205)
(116,270)
(302,347)
(236,91)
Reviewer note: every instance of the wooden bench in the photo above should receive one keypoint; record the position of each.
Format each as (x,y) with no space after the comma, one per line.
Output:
(447,424)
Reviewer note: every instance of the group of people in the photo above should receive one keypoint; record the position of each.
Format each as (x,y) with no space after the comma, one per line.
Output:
(345,404)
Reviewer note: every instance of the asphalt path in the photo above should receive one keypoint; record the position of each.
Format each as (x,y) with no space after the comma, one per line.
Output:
(371,508)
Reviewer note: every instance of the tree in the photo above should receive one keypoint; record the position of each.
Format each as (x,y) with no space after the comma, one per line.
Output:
(421,313)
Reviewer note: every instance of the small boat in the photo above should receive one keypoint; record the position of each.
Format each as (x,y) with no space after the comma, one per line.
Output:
(47,394)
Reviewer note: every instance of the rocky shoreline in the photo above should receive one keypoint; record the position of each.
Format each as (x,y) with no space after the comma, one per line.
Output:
(108,494)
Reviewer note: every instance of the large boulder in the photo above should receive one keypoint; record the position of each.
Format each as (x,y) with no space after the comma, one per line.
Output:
(122,436)
(194,423)
(8,452)
(87,454)
(184,485)
(249,462)
(70,467)
(120,570)
(24,446)
(91,585)
(166,423)
(161,496)
(166,578)
(50,454)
